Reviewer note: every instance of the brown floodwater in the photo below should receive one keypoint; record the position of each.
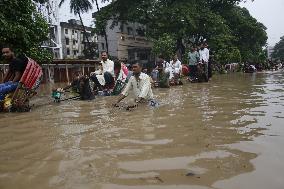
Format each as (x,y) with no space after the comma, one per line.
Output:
(226,134)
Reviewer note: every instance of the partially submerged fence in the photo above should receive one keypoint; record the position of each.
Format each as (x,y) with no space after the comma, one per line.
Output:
(61,70)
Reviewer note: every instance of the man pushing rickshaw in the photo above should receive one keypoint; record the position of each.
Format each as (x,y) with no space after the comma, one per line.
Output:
(19,83)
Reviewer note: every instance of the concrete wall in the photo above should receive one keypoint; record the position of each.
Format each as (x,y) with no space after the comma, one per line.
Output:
(75,50)
(112,41)
(73,30)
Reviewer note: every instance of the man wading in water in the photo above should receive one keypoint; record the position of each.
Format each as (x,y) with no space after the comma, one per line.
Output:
(80,85)
(140,83)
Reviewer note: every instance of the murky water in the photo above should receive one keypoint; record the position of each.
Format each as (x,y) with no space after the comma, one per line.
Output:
(227,134)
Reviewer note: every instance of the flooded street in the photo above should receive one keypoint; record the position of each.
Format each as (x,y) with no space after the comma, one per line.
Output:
(226,134)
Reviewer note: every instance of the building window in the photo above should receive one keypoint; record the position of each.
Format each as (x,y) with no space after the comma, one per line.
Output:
(66,31)
(73,32)
(67,41)
(74,42)
(131,55)
(68,51)
(103,46)
(142,56)
(129,31)
(75,52)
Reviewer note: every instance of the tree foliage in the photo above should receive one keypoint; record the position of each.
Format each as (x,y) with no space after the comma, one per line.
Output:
(23,28)
(164,45)
(227,27)
(279,50)
(250,35)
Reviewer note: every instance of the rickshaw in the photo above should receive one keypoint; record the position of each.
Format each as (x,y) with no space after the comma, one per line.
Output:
(18,100)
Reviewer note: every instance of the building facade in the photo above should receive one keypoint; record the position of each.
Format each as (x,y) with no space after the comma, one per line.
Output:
(127,42)
(73,39)
(50,11)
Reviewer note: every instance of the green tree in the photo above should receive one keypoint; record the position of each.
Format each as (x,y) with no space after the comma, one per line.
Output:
(250,35)
(279,50)
(164,45)
(223,24)
(78,7)
(23,28)
(103,32)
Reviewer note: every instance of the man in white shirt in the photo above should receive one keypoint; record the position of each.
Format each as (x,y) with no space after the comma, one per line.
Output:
(140,84)
(166,65)
(104,76)
(204,58)
(175,68)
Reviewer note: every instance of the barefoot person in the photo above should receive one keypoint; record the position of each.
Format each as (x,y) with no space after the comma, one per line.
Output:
(140,84)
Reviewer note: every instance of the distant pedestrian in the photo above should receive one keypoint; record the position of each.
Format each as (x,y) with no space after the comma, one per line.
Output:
(193,59)
(204,58)
(175,69)
(209,62)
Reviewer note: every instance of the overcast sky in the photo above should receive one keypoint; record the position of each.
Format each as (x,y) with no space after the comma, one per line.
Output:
(268,12)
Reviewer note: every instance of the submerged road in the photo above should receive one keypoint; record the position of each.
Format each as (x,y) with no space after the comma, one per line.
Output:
(226,134)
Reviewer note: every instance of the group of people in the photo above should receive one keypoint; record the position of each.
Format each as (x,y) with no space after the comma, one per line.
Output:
(199,63)
(113,77)
(103,78)
(167,73)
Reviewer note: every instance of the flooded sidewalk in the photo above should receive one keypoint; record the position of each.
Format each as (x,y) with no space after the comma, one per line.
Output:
(226,134)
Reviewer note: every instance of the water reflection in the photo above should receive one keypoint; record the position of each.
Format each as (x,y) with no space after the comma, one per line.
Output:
(190,141)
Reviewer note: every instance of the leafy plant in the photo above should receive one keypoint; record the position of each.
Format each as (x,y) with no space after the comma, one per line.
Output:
(279,50)
(229,29)
(23,28)
(165,45)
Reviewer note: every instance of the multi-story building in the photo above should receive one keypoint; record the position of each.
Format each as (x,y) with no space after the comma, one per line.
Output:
(50,11)
(73,39)
(127,42)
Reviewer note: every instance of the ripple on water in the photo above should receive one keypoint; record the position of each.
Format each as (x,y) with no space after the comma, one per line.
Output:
(188,142)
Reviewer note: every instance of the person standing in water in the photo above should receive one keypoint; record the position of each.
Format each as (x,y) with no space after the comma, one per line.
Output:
(193,59)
